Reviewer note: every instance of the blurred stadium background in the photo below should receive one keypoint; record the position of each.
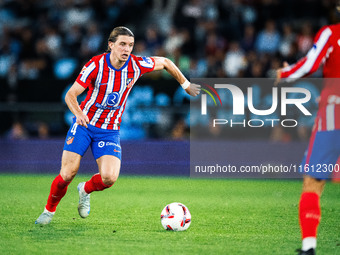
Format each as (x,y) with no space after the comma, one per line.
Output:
(44,44)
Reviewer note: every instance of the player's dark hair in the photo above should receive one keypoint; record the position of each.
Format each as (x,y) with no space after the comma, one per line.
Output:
(117,31)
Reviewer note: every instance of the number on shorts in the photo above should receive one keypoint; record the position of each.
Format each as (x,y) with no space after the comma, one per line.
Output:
(74,128)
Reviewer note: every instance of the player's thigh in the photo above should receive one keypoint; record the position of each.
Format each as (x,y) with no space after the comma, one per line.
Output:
(109,168)
(107,151)
(70,163)
(105,142)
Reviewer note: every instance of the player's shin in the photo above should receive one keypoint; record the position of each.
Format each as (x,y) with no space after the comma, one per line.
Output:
(309,215)
(57,192)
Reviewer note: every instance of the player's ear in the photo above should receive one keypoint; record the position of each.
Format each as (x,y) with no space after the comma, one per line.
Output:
(111,45)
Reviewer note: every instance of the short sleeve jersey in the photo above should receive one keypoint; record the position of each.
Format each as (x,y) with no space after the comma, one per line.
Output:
(109,88)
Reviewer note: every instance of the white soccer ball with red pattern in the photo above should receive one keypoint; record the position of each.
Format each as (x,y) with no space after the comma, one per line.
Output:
(175,217)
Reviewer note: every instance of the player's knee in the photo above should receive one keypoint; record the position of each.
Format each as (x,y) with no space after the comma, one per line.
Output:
(109,180)
(68,172)
(67,177)
(311,184)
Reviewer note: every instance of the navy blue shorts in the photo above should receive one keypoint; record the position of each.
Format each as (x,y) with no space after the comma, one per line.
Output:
(102,141)
(322,154)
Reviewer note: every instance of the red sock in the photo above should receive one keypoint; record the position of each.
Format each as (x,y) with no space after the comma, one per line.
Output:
(58,190)
(309,214)
(95,184)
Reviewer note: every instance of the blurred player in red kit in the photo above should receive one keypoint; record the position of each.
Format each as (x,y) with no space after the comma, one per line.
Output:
(324,143)
(109,78)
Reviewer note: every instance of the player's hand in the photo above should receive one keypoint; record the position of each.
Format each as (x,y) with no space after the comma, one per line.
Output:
(193,89)
(82,120)
(278,73)
(278,77)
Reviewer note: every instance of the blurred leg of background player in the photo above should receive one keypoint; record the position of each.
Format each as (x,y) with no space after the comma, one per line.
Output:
(310,212)
(323,150)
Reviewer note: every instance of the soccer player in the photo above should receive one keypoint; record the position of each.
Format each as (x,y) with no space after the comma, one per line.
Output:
(324,145)
(109,78)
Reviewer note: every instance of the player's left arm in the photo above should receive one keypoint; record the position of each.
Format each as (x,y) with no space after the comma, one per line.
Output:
(164,63)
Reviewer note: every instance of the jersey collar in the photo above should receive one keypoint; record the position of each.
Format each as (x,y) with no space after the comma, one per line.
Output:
(111,66)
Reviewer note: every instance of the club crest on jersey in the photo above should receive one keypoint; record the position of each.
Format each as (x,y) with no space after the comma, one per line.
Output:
(69,140)
(129,82)
(111,103)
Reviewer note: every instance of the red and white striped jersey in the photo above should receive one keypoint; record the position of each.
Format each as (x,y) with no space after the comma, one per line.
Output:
(109,88)
(326,51)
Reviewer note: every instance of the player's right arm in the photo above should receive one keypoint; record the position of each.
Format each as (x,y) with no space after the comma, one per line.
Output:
(72,103)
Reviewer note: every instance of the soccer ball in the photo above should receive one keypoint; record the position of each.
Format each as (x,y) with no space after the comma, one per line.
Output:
(175,217)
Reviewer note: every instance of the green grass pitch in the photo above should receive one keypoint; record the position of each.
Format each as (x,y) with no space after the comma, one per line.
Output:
(228,217)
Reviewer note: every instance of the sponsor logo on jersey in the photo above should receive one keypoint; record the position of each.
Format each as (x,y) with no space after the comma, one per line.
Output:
(106,107)
(112,144)
(113,99)
(111,103)
(69,140)
(101,144)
